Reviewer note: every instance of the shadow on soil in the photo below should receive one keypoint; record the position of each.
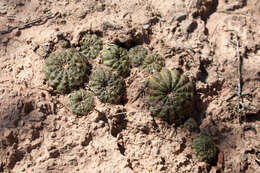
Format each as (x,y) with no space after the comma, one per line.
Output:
(19,119)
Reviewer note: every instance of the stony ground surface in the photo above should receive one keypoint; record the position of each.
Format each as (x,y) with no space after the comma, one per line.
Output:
(202,37)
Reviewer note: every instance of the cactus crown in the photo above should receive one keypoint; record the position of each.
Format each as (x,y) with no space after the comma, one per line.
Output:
(137,55)
(204,148)
(80,102)
(169,95)
(117,58)
(65,70)
(153,63)
(90,45)
(107,86)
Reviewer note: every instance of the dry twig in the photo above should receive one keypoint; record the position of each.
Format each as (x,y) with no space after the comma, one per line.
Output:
(40,20)
(240,104)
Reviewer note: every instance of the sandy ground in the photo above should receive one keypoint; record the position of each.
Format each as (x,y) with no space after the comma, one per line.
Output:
(202,37)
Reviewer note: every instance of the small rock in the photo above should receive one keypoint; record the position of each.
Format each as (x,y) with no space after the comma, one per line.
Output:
(34,46)
(28,106)
(243,162)
(14,157)
(50,164)
(19,3)
(86,140)
(36,116)
(34,134)
(45,49)
(64,43)
(51,147)
(10,137)
(162,167)
(180,17)
(53,152)
(147,26)
(60,35)
(82,14)
(53,135)
(100,7)
(33,145)
(189,26)
(43,107)
(17,33)
(3,9)
(73,162)
(5,40)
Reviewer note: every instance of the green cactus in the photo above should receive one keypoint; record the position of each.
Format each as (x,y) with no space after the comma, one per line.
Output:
(137,55)
(169,95)
(90,45)
(153,63)
(65,70)
(204,148)
(80,102)
(107,86)
(191,125)
(117,58)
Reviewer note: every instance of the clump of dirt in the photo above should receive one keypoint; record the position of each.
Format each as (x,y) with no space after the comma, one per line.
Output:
(215,43)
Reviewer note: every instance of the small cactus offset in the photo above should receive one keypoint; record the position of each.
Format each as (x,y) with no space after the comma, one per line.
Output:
(191,125)
(65,70)
(117,58)
(107,86)
(204,148)
(90,45)
(169,95)
(80,102)
(153,63)
(137,55)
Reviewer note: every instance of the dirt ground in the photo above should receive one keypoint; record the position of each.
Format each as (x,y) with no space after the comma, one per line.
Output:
(210,40)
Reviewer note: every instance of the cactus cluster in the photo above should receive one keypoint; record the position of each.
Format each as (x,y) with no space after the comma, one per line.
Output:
(137,55)
(153,63)
(80,102)
(109,87)
(66,70)
(169,95)
(90,45)
(204,148)
(117,58)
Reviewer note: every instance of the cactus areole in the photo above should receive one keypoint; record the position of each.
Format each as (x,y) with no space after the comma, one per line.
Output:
(169,95)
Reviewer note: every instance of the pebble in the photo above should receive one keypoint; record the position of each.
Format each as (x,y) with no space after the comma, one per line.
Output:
(147,26)
(64,43)
(189,26)
(3,9)
(54,153)
(82,14)
(60,35)
(179,17)
(17,33)
(5,40)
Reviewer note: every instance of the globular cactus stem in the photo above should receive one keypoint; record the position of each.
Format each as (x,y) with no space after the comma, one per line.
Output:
(66,70)
(107,85)
(169,95)
(117,58)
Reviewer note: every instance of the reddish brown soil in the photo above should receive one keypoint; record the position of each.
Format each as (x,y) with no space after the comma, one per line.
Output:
(39,134)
